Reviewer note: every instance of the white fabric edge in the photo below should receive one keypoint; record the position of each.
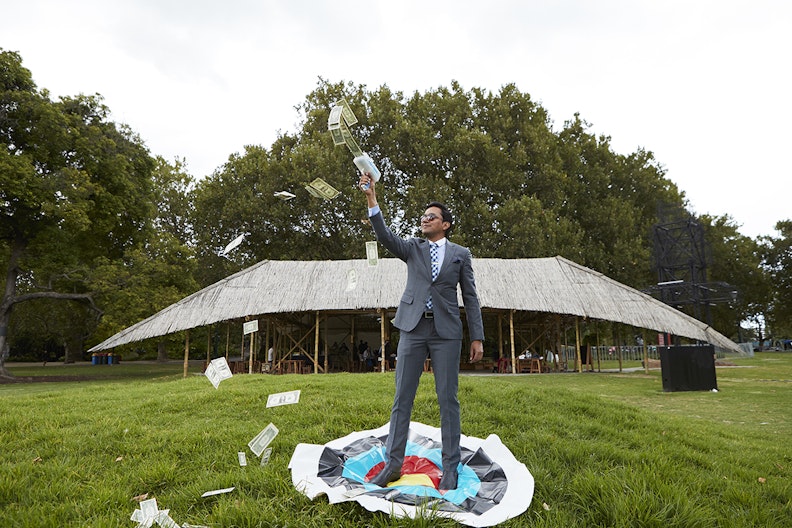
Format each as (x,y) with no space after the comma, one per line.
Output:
(303,464)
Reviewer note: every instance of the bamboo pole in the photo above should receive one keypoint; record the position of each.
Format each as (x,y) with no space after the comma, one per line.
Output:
(500,336)
(186,351)
(252,352)
(557,354)
(577,345)
(382,339)
(326,350)
(352,353)
(208,344)
(316,345)
(228,338)
(599,351)
(269,338)
(511,338)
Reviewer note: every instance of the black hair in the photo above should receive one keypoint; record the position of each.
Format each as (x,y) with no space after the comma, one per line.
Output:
(445,213)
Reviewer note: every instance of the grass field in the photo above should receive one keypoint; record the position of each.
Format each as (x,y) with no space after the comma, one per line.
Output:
(605,449)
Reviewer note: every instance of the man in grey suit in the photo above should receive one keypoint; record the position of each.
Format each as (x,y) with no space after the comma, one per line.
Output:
(430,324)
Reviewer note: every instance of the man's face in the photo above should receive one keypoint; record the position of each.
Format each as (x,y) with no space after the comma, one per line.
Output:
(432,225)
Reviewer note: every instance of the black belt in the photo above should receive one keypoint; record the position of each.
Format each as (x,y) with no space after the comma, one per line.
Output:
(428,315)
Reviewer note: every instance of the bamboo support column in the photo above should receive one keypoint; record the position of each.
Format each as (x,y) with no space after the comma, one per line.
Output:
(326,349)
(381,313)
(269,342)
(558,346)
(228,338)
(352,345)
(599,352)
(511,344)
(186,351)
(577,346)
(252,351)
(500,336)
(316,345)
(208,344)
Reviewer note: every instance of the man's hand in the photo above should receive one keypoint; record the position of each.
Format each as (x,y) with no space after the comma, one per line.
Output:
(476,351)
(366,179)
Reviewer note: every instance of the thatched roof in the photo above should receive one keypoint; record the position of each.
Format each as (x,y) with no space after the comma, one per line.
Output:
(550,285)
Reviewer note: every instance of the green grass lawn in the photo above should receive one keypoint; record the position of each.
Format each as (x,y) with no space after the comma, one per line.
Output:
(606,449)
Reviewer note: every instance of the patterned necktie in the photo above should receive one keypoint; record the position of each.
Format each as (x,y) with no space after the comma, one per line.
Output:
(433,250)
(434,257)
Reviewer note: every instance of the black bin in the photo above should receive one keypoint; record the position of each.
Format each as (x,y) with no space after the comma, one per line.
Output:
(688,368)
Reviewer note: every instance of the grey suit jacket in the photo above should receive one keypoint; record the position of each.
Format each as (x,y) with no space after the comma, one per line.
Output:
(457,268)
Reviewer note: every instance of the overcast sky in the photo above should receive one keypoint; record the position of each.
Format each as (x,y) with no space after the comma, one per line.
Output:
(704,84)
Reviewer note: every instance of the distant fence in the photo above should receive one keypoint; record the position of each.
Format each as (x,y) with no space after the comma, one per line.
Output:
(605,353)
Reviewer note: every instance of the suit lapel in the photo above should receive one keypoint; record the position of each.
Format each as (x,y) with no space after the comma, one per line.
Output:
(450,252)
(427,258)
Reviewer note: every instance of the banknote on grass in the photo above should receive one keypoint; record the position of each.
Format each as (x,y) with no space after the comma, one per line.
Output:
(265,456)
(218,492)
(263,439)
(283,398)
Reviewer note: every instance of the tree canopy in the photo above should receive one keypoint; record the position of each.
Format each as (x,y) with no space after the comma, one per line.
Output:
(777,259)
(517,187)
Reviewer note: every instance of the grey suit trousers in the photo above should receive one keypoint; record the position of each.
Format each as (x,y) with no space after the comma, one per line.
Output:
(414,347)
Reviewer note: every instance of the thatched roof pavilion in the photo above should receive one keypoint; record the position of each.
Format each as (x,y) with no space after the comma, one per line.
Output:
(549,286)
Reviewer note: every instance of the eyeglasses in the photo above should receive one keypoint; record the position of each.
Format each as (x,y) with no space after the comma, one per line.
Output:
(429,217)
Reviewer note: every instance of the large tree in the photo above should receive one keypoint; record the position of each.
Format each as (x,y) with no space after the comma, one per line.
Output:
(157,271)
(778,261)
(74,187)
(736,261)
(518,188)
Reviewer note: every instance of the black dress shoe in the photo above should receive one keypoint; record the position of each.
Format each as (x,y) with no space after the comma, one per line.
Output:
(386,476)
(448,481)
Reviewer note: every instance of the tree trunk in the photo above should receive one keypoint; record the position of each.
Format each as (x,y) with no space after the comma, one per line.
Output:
(7,304)
(4,373)
(162,353)
(72,349)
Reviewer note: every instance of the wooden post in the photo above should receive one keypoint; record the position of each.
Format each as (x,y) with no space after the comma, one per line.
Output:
(381,312)
(316,345)
(352,353)
(267,340)
(558,345)
(619,348)
(208,344)
(326,348)
(186,351)
(228,338)
(511,338)
(252,349)
(577,345)
(645,352)
(500,336)
(599,352)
